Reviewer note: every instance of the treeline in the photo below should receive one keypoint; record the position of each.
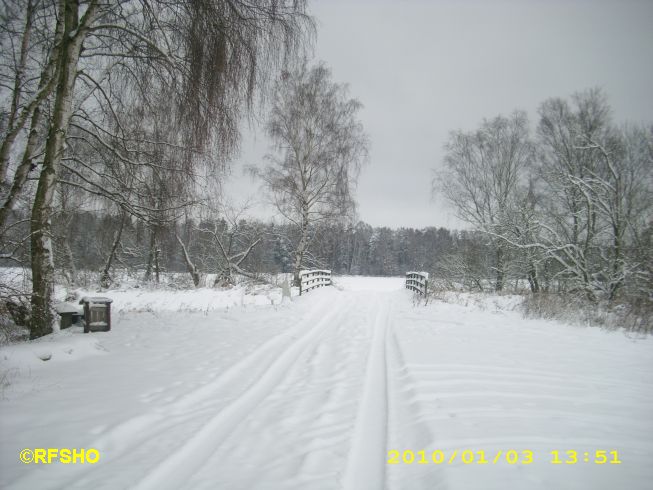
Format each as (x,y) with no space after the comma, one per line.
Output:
(571,202)
(90,240)
(109,244)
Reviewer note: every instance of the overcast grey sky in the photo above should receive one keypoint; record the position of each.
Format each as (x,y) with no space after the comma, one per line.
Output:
(423,68)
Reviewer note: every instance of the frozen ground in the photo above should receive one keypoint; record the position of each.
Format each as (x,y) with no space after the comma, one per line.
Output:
(313,394)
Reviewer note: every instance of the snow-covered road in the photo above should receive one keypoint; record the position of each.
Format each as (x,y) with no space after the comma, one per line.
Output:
(314,395)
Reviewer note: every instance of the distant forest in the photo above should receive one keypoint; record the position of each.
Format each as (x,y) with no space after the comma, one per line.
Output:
(463,259)
(84,241)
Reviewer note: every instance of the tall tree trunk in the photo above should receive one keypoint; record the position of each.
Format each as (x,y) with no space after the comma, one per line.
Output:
(533,281)
(157,268)
(500,266)
(300,251)
(46,84)
(616,281)
(42,210)
(23,169)
(350,265)
(68,268)
(151,255)
(192,269)
(70,263)
(299,259)
(105,277)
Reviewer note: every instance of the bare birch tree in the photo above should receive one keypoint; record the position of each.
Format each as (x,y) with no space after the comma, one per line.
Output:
(599,195)
(483,170)
(568,167)
(320,146)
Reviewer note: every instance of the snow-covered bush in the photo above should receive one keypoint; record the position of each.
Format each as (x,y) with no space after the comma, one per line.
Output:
(633,316)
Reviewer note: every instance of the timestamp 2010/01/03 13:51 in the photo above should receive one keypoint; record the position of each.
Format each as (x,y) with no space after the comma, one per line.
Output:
(512,456)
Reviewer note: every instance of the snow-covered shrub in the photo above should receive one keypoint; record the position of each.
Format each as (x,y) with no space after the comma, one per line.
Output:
(9,331)
(633,316)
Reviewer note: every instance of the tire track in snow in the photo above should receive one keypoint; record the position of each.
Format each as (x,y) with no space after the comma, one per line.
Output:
(119,442)
(366,463)
(173,471)
(299,435)
(407,431)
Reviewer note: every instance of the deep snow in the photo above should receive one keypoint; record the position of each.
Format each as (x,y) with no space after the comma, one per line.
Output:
(225,390)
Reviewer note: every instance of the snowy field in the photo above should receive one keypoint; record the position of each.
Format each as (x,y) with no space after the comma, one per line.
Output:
(226,390)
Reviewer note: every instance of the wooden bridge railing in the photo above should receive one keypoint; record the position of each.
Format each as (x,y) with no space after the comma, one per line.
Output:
(417,281)
(312,279)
